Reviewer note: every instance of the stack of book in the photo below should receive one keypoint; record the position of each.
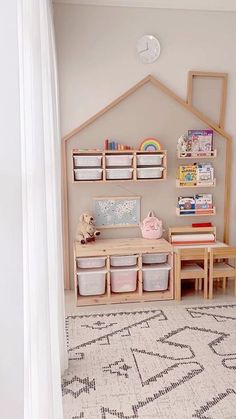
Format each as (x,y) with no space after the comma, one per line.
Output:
(114,145)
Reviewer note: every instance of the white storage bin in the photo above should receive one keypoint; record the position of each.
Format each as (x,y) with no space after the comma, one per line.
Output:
(150,172)
(154,258)
(130,260)
(86,263)
(149,159)
(88,174)
(92,282)
(119,173)
(155,278)
(124,279)
(119,160)
(85,161)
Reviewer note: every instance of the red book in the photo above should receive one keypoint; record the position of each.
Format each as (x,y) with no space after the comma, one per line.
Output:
(202,225)
(106,144)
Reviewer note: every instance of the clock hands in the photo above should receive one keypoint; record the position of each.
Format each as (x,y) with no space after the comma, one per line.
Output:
(145,49)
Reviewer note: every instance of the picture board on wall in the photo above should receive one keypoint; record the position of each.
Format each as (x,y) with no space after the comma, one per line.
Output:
(117,211)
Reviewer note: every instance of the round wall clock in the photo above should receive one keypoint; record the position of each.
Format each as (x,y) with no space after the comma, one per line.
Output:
(148,48)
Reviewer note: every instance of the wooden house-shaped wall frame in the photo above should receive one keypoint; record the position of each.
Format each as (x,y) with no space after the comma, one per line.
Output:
(75,139)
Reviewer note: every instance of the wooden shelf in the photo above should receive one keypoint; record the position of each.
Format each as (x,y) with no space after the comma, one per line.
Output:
(198,155)
(104,166)
(128,246)
(201,185)
(124,297)
(199,213)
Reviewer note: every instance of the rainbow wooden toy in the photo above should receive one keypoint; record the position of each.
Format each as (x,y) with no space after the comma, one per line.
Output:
(150,144)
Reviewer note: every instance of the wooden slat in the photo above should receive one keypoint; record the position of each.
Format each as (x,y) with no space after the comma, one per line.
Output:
(127,246)
(107,108)
(191,108)
(162,87)
(227,195)
(223,252)
(224,82)
(223,101)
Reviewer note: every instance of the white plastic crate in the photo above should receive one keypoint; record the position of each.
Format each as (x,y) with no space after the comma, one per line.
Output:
(92,282)
(150,172)
(130,260)
(86,263)
(150,258)
(124,279)
(119,173)
(155,277)
(119,160)
(149,159)
(88,174)
(85,161)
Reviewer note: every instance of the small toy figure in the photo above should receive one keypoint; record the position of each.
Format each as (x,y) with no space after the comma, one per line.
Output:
(86,230)
(182,144)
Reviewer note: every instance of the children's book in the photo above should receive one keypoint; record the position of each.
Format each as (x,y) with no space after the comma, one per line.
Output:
(188,175)
(202,140)
(186,205)
(203,203)
(205,174)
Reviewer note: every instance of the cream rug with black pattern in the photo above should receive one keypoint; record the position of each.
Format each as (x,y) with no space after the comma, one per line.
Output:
(174,362)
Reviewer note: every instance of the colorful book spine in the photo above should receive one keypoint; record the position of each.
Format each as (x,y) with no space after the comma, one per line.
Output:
(186,205)
(188,175)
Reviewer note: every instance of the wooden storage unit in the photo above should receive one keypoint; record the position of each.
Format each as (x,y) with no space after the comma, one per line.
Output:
(197,213)
(132,168)
(153,98)
(197,155)
(128,246)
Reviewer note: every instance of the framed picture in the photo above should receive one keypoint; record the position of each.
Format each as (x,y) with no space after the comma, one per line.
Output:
(117,211)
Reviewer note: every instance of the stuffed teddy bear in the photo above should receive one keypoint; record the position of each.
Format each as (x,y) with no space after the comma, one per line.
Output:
(86,230)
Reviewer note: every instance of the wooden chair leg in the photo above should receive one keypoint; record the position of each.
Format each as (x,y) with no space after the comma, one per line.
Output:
(196,284)
(205,284)
(177,278)
(210,287)
(224,283)
(200,284)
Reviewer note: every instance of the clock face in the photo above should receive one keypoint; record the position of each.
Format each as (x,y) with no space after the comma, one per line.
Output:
(148,48)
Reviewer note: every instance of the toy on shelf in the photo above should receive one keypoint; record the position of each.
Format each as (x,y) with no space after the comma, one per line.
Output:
(86,230)
(196,143)
(151,227)
(114,145)
(150,144)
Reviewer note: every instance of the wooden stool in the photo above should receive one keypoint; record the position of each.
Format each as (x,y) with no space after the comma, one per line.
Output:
(223,269)
(191,270)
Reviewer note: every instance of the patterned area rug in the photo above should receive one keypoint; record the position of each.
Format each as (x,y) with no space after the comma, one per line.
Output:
(174,362)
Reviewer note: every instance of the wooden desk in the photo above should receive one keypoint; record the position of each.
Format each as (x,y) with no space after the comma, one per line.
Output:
(104,247)
(191,246)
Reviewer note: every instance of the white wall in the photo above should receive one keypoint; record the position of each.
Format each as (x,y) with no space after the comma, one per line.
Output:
(98,61)
(11,300)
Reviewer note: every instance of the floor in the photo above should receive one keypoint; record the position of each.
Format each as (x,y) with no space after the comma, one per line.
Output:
(189,296)
(162,359)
